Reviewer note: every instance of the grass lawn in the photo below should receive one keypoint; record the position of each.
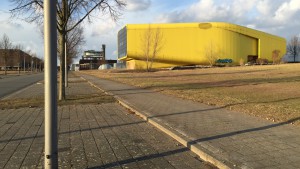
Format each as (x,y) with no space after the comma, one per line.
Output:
(271,92)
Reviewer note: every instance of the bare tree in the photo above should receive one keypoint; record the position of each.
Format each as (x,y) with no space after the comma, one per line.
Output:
(75,40)
(146,45)
(34,62)
(28,59)
(293,47)
(275,56)
(152,43)
(6,45)
(75,10)
(19,56)
(211,53)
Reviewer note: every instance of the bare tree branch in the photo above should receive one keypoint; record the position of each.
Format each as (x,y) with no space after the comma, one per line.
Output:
(152,43)
(5,45)
(211,53)
(293,47)
(67,10)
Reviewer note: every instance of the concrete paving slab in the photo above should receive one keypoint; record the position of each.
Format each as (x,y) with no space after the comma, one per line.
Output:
(90,136)
(225,138)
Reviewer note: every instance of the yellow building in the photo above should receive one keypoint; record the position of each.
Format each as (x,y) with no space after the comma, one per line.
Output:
(195,44)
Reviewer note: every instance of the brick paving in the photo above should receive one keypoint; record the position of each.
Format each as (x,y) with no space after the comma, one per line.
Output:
(90,136)
(236,140)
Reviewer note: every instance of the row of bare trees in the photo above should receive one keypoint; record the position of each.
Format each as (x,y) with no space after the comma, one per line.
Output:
(70,14)
(14,57)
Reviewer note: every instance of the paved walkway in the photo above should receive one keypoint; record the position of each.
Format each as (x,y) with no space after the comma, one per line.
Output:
(90,136)
(227,139)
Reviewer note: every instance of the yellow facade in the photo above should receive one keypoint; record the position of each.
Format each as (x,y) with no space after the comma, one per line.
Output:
(188,43)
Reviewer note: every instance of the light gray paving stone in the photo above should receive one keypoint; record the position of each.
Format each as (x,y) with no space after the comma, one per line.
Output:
(212,129)
(90,136)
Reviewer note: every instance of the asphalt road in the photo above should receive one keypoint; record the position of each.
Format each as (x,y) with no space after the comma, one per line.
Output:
(15,83)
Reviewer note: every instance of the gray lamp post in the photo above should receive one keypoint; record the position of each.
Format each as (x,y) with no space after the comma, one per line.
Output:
(50,41)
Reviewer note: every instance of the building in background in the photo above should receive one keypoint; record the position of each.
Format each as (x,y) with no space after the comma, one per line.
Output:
(15,59)
(195,43)
(92,59)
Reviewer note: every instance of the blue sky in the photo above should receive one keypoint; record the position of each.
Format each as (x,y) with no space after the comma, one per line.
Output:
(280,17)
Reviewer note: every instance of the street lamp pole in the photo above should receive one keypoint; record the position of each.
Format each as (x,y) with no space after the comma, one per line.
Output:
(50,41)
(66,66)
(24,64)
(31,64)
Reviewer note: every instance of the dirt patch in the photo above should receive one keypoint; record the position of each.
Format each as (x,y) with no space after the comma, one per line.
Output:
(271,92)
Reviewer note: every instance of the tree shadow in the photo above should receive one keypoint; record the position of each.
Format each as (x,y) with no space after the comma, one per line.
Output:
(74,131)
(189,144)
(129,90)
(224,83)
(221,107)
(196,74)
(242,131)
(142,158)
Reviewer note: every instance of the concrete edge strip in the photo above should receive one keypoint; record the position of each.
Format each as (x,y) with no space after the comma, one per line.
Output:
(203,155)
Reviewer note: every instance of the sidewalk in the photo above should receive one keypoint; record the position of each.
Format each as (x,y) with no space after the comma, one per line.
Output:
(226,139)
(91,135)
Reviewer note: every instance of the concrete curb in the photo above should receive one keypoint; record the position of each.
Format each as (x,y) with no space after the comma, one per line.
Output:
(184,141)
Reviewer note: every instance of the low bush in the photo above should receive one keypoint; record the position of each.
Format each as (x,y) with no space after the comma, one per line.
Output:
(262,61)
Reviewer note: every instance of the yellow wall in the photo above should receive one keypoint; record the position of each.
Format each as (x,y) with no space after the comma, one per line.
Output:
(187,43)
(141,64)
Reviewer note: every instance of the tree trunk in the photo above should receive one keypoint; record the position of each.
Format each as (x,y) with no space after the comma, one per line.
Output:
(147,63)
(62,93)
(5,73)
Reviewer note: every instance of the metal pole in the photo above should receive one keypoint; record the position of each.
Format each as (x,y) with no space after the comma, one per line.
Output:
(66,66)
(50,40)
(31,65)
(24,65)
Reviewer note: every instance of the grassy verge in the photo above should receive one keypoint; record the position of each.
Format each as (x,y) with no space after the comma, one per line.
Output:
(270,92)
(78,92)
(97,98)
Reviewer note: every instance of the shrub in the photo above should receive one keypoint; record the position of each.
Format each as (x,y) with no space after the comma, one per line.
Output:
(262,61)
(275,57)
(242,62)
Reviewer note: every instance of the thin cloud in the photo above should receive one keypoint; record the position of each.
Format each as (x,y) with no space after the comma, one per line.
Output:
(138,5)
(273,16)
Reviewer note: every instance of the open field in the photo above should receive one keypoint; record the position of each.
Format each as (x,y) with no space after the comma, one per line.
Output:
(271,92)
